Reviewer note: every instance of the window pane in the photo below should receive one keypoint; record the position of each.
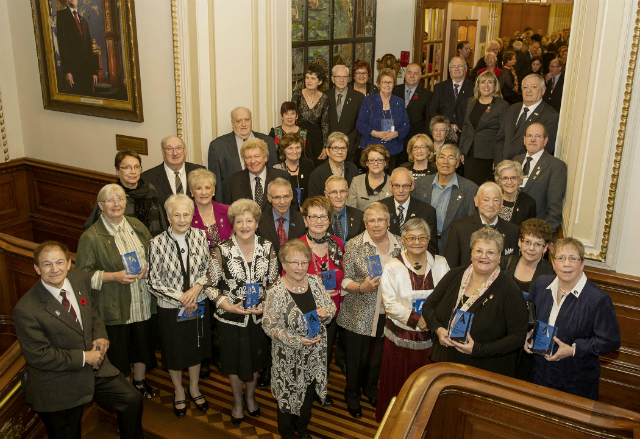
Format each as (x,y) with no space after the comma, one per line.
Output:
(319,53)
(343,19)
(297,20)
(364,52)
(297,68)
(364,20)
(319,21)
(343,54)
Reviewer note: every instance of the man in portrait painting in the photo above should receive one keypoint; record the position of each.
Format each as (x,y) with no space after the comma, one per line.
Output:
(79,70)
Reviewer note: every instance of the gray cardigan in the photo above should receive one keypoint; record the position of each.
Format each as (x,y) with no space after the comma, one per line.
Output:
(358,196)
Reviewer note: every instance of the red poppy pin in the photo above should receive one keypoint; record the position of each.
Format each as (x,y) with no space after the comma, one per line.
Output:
(83,301)
(488,109)
(276,140)
(415,96)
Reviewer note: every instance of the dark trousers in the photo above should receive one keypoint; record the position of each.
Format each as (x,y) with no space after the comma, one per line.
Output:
(332,330)
(112,393)
(288,423)
(363,356)
(340,348)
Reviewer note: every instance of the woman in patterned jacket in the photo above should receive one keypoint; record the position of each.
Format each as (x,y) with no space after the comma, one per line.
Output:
(299,355)
(179,259)
(244,263)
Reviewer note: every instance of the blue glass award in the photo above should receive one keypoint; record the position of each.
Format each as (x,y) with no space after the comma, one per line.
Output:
(417,305)
(543,342)
(311,324)
(329,279)
(131,263)
(460,326)
(375,266)
(252,295)
(197,314)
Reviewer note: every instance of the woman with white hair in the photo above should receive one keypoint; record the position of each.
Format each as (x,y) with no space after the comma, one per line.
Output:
(178,263)
(125,305)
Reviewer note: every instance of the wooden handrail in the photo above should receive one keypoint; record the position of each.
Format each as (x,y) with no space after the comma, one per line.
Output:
(12,366)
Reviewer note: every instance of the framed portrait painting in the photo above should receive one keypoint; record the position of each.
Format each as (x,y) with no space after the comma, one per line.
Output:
(88,57)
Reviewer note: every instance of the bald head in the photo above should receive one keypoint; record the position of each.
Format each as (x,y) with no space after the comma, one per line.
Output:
(241,122)
(412,75)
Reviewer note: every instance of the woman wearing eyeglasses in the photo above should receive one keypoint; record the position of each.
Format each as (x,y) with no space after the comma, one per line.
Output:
(586,322)
(374,185)
(362,313)
(422,156)
(142,198)
(361,72)
(383,118)
(517,206)
(406,282)
(326,260)
(291,146)
(499,324)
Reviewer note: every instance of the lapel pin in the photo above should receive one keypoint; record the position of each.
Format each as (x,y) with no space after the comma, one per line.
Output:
(491,296)
(413,214)
(485,301)
(83,301)
(535,114)
(293,224)
(459,197)
(57,313)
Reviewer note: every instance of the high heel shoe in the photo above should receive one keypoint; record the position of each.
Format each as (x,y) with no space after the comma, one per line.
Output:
(179,412)
(237,421)
(203,407)
(253,414)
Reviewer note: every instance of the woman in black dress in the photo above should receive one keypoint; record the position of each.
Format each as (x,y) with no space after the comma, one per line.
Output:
(517,206)
(289,116)
(291,146)
(245,262)
(313,108)
(485,112)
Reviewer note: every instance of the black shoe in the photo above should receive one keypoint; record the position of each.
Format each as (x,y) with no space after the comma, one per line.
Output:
(204,406)
(328,402)
(356,413)
(264,380)
(205,370)
(253,414)
(237,421)
(180,412)
(144,388)
(373,401)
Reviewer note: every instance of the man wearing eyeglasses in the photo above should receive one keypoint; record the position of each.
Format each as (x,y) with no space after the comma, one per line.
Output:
(170,177)
(519,116)
(403,207)
(555,84)
(344,107)
(488,200)
(416,101)
(281,223)
(337,149)
(347,221)
(545,176)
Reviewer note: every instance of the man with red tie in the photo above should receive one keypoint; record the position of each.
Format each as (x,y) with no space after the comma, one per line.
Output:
(64,341)
(79,69)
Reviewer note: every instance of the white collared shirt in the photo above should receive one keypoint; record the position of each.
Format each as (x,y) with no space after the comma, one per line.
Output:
(534,161)
(493,224)
(66,285)
(252,179)
(182,173)
(532,109)
(459,84)
(554,287)
(239,142)
(405,206)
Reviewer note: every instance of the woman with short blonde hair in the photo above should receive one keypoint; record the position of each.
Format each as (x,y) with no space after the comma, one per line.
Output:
(422,156)
(374,185)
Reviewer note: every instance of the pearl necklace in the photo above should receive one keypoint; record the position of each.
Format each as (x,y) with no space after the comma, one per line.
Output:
(294,289)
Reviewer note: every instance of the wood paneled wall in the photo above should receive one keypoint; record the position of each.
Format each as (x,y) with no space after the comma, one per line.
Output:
(516,17)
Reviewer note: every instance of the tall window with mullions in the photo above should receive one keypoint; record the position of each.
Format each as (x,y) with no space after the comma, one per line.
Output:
(331,32)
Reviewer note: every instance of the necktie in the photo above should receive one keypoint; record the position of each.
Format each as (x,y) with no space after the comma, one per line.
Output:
(258,195)
(527,166)
(407,98)
(339,106)
(553,83)
(337,226)
(400,215)
(455,91)
(178,183)
(282,236)
(68,307)
(75,15)
(523,117)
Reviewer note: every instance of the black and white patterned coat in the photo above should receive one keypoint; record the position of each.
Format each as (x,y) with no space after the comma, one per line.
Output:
(295,366)
(165,274)
(229,272)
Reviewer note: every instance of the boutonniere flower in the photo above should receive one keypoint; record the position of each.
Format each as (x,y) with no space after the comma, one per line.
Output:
(276,140)
(83,301)
(415,96)
(488,109)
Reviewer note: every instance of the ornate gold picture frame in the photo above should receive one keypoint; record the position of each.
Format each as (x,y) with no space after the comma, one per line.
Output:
(88,57)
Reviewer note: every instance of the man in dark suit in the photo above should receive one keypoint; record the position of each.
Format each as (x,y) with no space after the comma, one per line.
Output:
(350,218)
(416,101)
(555,84)
(545,176)
(64,342)
(79,69)
(252,182)
(336,165)
(281,223)
(523,61)
(489,202)
(450,97)
(450,194)
(344,108)
(170,176)
(519,116)
(403,207)
(224,152)
(463,50)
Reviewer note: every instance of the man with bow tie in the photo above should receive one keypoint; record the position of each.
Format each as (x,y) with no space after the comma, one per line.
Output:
(64,341)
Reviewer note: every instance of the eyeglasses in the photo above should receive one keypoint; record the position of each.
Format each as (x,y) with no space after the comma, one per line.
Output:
(489,253)
(375,222)
(403,186)
(419,148)
(506,179)
(338,148)
(555,67)
(282,198)
(341,77)
(298,263)
(129,168)
(418,239)
(336,193)
(376,161)
(533,136)
(572,259)
(175,149)
(361,73)
(536,245)
(386,82)
(114,201)
(318,218)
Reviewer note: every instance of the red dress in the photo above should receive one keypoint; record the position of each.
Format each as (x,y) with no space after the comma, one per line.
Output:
(316,266)
(496,71)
